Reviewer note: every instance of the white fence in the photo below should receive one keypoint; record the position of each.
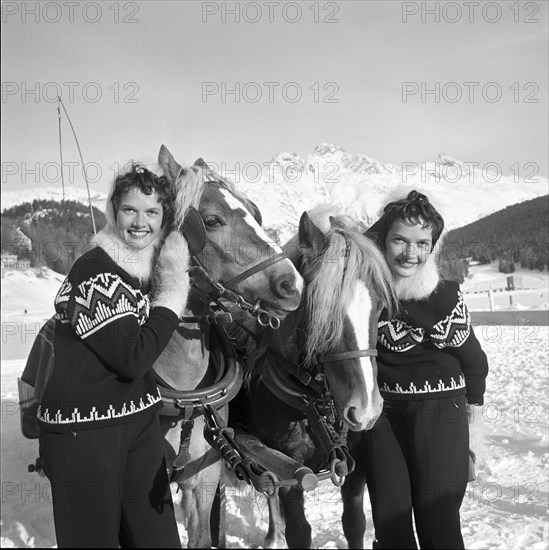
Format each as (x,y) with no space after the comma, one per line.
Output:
(495,299)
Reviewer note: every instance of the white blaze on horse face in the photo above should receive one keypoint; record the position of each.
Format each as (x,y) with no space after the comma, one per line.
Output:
(235,204)
(359,312)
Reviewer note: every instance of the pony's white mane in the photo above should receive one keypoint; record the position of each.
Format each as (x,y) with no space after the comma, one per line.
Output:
(189,186)
(327,303)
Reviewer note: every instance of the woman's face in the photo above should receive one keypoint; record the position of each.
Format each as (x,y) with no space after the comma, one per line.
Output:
(139,218)
(407,248)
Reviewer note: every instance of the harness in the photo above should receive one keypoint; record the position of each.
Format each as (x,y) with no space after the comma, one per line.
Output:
(307,391)
(187,405)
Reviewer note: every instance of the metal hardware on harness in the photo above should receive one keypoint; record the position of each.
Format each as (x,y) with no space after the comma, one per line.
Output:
(220,437)
(299,390)
(264,317)
(341,462)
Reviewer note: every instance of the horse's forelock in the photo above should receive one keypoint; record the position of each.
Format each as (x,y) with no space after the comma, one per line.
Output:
(326,302)
(189,186)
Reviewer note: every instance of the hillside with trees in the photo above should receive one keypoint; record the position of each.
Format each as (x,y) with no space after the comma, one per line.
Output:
(518,233)
(60,232)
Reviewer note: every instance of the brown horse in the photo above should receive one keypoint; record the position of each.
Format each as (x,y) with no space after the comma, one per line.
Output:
(332,338)
(237,253)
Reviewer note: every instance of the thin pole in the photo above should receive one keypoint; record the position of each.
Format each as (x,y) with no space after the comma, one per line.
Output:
(61,149)
(82,161)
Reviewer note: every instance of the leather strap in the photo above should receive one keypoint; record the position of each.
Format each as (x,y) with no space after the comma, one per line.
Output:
(255,269)
(343,356)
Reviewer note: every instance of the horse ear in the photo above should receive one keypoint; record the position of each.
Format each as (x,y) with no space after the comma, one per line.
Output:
(201,163)
(169,165)
(310,236)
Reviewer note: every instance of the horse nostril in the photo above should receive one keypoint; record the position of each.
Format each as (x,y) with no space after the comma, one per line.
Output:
(285,288)
(350,415)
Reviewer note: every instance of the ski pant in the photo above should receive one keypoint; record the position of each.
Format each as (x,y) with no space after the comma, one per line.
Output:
(417,464)
(110,487)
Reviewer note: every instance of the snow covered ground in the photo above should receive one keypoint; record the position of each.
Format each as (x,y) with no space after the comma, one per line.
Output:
(506,507)
(481,278)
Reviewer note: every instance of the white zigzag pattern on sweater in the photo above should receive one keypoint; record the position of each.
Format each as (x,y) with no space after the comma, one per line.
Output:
(93,414)
(454,329)
(88,321)
(398,331)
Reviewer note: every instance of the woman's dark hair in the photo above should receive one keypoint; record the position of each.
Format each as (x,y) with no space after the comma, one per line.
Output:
(148,183)
(415,208)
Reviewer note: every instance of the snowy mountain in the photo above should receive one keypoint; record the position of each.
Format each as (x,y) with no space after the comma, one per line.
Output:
(331,179)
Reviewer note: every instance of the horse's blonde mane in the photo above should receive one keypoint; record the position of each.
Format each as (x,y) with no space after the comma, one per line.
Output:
(189,186)
(333,284)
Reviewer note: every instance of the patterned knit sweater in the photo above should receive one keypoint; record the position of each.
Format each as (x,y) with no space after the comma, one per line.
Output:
(106,341)
(430,349)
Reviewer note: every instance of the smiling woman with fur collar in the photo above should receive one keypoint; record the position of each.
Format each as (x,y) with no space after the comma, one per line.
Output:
(100,439)
(430,369)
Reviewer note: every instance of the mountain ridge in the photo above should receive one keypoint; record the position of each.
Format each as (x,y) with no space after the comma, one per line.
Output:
(352,184)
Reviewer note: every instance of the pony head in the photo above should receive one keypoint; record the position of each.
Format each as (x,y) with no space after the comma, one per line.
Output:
(348,284)
(234,240)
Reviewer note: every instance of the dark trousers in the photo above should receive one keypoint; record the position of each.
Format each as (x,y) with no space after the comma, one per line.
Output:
(110,486)
(417,463)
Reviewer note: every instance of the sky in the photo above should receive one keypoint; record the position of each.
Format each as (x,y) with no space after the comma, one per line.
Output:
(239,82)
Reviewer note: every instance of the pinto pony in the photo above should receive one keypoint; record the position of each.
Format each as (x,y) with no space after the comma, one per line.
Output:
(331,338)
(232,255)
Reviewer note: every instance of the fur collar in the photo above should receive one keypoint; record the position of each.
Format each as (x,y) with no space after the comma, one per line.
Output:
(422,284)
(137,263)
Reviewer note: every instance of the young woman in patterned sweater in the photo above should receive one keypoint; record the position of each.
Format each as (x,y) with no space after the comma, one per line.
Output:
(430,369)
(100,439)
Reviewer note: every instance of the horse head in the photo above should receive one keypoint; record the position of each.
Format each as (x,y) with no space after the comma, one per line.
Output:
(232,247)
(347,285)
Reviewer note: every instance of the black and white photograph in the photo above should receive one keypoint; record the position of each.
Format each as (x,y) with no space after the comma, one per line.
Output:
(275,274)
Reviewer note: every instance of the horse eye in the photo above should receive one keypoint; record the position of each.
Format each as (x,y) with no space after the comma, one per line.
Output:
(212,221)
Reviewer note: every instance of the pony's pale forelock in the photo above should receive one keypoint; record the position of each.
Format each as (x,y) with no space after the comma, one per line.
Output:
(189,186)
(327,303)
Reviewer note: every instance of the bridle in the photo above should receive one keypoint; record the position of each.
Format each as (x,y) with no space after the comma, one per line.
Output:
(300,385)
(194,231)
